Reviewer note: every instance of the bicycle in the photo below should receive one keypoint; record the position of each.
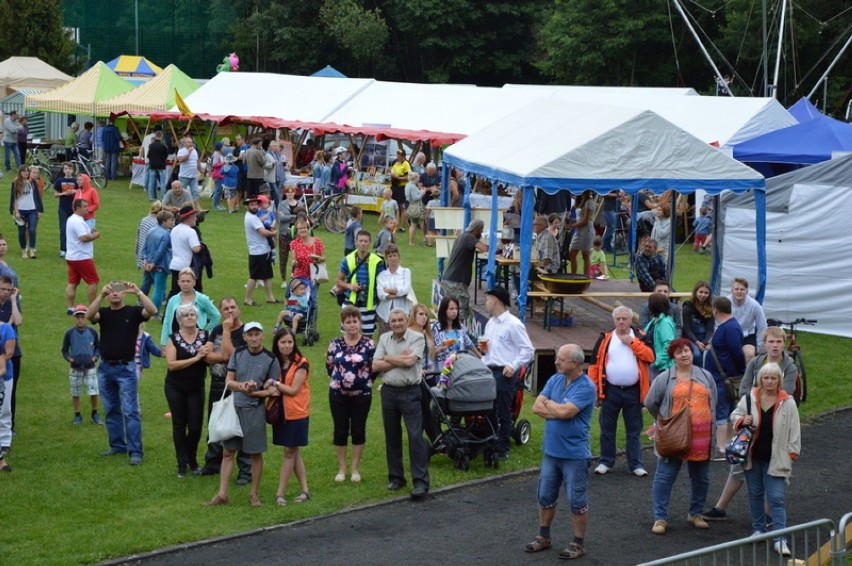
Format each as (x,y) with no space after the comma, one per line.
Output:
(91,167)
(37,158)
(794,350)
(331,211)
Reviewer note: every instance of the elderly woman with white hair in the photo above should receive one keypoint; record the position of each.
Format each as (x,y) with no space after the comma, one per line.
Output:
(186,353)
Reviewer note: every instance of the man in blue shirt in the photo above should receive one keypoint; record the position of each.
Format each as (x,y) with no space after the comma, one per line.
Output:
(566,403)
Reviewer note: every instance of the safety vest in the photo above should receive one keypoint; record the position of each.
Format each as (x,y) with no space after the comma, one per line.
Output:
(373,262)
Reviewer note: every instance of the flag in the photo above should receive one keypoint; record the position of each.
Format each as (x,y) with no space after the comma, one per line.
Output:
(181,104)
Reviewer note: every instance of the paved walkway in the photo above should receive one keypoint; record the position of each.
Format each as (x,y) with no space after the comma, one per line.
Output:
(490,521)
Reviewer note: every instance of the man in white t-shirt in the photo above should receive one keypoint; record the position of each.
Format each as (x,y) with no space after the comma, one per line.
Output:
(79,255)
(187,159)
(185,242)
(260,254)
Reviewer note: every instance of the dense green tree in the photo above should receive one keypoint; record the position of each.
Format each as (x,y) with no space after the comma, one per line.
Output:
(33,28)
(362,33)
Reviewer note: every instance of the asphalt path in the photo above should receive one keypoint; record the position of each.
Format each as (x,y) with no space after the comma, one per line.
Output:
(490,521)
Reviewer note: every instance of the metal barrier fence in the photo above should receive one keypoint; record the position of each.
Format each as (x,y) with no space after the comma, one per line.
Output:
(813,544)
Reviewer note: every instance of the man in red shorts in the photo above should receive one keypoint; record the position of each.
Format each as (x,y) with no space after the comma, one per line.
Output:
(80,255)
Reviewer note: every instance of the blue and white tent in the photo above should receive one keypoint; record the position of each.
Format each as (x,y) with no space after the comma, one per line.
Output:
(555,145)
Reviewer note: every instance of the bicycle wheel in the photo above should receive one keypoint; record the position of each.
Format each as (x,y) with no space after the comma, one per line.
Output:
(46,176)
(336,217)
(799,360)
(97,174)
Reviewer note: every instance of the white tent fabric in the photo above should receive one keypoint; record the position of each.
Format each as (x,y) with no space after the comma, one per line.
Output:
(592,146)
(289,97)
(633,91)
(446,108)
(29,73)
(808,274)
(717,120)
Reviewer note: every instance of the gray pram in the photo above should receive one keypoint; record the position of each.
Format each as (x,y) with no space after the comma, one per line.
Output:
(461,413)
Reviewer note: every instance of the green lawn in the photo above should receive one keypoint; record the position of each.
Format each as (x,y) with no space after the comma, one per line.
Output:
(63,504)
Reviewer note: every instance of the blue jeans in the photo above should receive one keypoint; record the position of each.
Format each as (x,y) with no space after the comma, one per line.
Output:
(627,402)
(723,404)
(152,178)
(191,184)
(118,389)
(573,474)
(64,215)
(217,194)
(664,478)
(111,166)
(14,150)
(760,485)
(147,282)
(610,218)
(27,232)
(160,277)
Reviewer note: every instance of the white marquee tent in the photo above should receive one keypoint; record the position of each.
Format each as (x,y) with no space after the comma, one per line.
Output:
(590,146)
(809,274)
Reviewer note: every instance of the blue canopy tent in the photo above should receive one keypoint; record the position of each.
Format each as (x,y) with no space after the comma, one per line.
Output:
(804,111)
(329,72)
(553,145)
(803,144)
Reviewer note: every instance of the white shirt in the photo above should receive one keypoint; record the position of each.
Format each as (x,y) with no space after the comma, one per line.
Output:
(401,281)
(188,168)
(508,342)
(751,317)
(257,244)
(184,238)
(76,249)
(622,369)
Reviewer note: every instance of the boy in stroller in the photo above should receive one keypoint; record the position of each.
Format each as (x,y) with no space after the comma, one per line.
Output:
(300,310)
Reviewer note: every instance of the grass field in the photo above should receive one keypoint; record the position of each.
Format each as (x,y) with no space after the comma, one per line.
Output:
(63,504)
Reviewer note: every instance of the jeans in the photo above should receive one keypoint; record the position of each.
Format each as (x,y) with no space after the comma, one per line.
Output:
(573,474)
(12,148)
(27,232)
(760,485)
(64,215)
(111,166)
(187,407)
(190,184)
(610,218)
(147,282)
(160,276)
(626,401)
(152,178)
(664,478)
(723,404)
(118,388)
(217,194)
(275,193)
(404,403)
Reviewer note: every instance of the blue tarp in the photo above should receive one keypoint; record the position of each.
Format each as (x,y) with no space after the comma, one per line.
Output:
(805,143)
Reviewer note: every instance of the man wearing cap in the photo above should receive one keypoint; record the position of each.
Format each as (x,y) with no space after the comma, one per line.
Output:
(156,155)
(459,270)
(185,242)
(357,278)
(80,253)
(397,358)
(260,253)
(177,198)
(117,382)
(509,349)
(248,369)
(254,160)
(187,159)
(226,338)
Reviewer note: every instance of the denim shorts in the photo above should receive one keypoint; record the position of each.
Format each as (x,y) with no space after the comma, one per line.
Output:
(573,474)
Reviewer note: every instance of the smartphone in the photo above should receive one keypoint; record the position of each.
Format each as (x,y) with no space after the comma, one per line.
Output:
(117,286)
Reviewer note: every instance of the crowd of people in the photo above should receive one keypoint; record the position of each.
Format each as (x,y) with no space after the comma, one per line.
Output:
(676,358)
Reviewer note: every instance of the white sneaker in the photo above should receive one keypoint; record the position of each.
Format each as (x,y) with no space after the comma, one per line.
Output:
(640,472)
(781,548)
(602,469)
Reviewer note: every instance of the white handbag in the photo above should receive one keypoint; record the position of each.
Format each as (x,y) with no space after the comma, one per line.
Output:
(224,423)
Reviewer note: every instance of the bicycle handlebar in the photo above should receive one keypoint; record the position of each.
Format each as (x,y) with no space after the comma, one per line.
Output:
(805,321)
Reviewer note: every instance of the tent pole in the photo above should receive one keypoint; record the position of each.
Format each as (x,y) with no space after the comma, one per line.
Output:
(778,53)
(174,133)
(830,67)
(135,128)
(719,76)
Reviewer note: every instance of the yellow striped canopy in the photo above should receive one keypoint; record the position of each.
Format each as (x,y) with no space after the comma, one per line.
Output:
(156,94)
(81,95)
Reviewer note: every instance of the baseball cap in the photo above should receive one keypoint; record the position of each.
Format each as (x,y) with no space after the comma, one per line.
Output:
(80,309)
(251,199)
(340,149)
(252,326)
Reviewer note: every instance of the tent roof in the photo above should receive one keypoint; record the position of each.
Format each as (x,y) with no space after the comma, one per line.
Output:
(30,73)
(133,66)
(80,95)
(156,94)
(806,143)
(284,97)
(593,146)
(595,90)
(329,72)
(804,111)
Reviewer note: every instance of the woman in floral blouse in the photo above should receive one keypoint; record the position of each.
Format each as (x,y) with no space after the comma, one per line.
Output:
(349,363)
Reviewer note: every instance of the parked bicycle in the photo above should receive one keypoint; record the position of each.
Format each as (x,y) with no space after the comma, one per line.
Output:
(91,167)
(37,158)
(330,210)
(794,350)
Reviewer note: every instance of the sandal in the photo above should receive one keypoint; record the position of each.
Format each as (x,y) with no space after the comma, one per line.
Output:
(275,302)
(250,303)
(217,500)
(540,543)
(255,501)
(572,551)
(302,497)
(280,501)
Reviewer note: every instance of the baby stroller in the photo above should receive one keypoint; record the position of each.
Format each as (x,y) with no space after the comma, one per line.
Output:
(308,323)
(461,404)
